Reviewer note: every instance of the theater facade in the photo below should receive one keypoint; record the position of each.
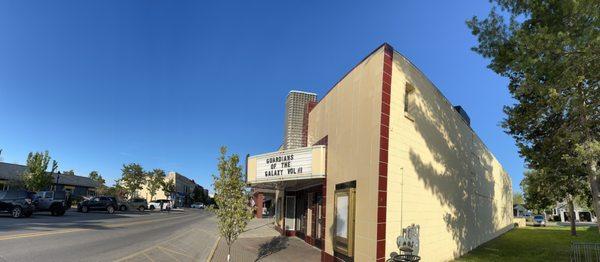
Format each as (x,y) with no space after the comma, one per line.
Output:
(382,161)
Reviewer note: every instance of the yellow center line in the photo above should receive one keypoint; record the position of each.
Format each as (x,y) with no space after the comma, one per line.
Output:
(65,231)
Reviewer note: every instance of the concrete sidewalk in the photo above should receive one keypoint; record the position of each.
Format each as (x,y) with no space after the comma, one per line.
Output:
(261,242)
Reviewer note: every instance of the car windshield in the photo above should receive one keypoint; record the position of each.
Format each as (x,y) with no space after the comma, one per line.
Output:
(538,217)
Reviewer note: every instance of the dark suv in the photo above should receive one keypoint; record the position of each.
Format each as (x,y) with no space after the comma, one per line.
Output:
(17,202)
(53,201)
(98,203)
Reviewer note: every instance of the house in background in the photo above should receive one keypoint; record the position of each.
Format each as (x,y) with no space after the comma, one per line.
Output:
(520,211)
(582,214)
(11,177)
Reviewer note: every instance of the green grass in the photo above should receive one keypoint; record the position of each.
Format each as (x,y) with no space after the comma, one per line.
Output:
(532,244)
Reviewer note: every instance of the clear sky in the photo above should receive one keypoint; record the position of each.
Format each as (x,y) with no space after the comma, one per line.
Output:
(166,83)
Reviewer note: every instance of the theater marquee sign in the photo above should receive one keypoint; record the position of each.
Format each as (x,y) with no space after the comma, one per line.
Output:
(284,164)
(287,165)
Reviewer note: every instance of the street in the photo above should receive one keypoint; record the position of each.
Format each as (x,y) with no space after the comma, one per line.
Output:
(97,236)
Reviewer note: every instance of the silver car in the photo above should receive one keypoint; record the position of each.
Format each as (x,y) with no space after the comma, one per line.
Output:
(139,204)
(539,220)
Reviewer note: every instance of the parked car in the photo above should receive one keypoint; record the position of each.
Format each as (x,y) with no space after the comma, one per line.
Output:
(53,201)
(539,220)
(134,203)
(156,204)
(98,203)
(197,205)
(19,203)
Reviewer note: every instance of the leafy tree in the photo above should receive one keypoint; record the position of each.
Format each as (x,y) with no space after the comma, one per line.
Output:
(518,198)
(35,177)
(117,191)
(198,195)
(169,188)
(102,188)
(550,52)
(233,213)
(156,180)
(132,179)
(68,173)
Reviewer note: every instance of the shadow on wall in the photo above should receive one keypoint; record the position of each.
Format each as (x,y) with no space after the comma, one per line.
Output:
(275,245)
(461,174)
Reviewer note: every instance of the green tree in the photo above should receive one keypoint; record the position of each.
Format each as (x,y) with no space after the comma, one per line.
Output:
(36,177)
(156,180)
(102,188)
(132,179)
(233,213)
(68,173)
(198,195)
(518,198)
(169,188)
(117,191)
(550,52)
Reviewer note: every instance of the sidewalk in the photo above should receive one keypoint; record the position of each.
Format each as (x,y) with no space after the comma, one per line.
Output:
(261,242)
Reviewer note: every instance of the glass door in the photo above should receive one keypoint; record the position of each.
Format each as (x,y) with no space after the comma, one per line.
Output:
(290,213)
(344,221)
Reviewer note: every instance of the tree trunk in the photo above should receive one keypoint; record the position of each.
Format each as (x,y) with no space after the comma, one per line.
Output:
(572,216)
(595,188)
(228,253)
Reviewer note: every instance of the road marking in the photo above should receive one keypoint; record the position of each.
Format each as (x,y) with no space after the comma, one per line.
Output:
(149,258)
(143,252)
(65,231)
(167,253)
(174,251)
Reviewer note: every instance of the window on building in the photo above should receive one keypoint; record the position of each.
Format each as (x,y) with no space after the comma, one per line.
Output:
(409,100)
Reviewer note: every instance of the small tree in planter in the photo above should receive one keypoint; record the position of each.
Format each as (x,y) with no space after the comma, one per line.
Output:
(233,212)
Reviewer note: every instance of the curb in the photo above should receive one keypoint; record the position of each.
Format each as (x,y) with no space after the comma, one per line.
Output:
(212,252)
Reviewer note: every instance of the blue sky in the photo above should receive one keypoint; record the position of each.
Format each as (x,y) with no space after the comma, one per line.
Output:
(166,83)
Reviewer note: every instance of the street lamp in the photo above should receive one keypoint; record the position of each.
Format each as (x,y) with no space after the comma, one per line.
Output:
(57,178)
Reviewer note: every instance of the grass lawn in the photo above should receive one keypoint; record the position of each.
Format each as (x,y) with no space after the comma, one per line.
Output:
(532,244)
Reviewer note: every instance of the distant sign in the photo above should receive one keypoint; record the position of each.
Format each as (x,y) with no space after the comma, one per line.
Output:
(284,164)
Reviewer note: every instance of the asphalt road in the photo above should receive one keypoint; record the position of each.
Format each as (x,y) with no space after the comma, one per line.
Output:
(97,236)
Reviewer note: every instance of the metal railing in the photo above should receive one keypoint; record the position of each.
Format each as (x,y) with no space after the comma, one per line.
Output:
(585,252)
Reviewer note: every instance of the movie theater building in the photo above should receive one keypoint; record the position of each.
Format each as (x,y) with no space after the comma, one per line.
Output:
(387,161)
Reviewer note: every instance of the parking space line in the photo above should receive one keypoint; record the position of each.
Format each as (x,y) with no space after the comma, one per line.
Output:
(142,252)
(175,252)
(167,253)
(148,257)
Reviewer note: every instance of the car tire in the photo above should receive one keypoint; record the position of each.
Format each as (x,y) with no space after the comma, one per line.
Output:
(61,212)
(110,209)
(152,207)
(142,208)
(123,208)
(16,212)
(85,209)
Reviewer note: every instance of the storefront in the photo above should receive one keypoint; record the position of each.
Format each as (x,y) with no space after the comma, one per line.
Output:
(290,183)
(388,160)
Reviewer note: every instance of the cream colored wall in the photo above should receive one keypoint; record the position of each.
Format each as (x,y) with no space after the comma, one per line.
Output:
(350,116)
(251,170)
(440,175)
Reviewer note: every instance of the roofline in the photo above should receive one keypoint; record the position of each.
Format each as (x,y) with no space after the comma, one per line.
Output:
(352,69)
(301,92)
